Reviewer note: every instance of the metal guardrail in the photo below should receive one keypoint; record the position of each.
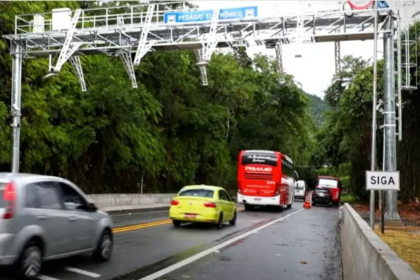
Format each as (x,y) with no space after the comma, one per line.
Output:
(117,202)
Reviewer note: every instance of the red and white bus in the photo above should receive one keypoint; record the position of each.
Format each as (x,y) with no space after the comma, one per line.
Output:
(265,178)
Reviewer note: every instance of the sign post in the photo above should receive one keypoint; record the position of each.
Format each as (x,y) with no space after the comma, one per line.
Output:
(383,194)
(383,181)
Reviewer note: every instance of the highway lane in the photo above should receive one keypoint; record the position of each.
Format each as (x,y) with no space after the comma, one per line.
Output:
(305,246)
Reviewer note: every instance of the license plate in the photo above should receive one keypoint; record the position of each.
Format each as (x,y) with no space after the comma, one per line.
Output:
(190,216)
(257,199)
(321,194)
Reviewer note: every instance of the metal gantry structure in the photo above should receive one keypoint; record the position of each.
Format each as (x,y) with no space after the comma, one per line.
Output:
(137,29)
(130,32)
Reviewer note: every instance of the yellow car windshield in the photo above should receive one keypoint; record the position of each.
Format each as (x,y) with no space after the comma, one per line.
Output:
(197,193)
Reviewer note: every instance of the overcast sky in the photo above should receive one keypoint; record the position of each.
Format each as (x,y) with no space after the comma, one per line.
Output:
(316,67)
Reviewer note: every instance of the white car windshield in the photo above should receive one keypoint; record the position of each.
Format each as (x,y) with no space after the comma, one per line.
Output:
(300,185)
(328,183)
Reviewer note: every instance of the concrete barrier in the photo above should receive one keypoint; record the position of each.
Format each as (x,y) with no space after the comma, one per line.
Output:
(365,255)
(121,202)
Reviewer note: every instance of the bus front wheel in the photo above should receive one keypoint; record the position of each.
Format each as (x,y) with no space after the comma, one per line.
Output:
(248,207)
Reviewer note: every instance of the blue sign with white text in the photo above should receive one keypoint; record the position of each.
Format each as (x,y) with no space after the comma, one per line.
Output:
(206,15)
(383,5)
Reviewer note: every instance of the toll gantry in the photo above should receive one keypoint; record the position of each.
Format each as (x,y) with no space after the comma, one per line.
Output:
(64,35)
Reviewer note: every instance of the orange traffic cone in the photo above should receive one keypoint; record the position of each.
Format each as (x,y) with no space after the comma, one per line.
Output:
(308,201)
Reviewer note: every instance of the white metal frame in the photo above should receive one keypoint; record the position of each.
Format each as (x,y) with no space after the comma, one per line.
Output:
(144,45)
(77,64)
(203,68)
(129,67)
(69,47)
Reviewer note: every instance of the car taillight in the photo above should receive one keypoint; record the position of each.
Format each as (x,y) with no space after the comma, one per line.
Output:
(9,196)
(210,204)
(174,202)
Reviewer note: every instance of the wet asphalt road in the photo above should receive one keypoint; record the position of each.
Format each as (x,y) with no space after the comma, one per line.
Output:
(304,246)
(274,252)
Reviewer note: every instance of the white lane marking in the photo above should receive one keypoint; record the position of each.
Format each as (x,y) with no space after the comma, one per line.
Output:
(83,272)
(44,277)
(140,213)
(211,250)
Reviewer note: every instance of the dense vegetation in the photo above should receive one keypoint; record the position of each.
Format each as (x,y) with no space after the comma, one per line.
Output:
(344,142)
(318,107)
(171,130)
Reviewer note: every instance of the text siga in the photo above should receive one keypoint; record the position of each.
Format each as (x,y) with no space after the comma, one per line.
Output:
(383,180)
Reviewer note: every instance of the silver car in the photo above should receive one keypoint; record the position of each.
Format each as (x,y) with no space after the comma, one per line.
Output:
(44,218)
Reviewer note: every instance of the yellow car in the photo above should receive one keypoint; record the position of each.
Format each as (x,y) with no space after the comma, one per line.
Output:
(203,204)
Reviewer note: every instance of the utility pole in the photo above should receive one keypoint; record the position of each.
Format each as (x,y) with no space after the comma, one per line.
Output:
(390,140)
(373,152)
(16,103)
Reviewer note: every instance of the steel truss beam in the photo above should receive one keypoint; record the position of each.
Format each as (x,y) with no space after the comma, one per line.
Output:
(337,57)
(211,41)
(203,68)
(279,57)
(75,61)
(318,27)
(144,45)
(129,67)
(68,47)
(209,45)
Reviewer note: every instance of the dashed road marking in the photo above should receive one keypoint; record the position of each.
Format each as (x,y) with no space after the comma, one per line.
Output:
(44,277)
(83,272)
(141,226)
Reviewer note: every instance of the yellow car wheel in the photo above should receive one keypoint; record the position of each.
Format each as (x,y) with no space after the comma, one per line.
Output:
(177,224)
(233,221)
(220,222)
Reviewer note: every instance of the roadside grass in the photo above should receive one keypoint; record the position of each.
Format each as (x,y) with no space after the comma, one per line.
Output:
(405,242)
(348,198)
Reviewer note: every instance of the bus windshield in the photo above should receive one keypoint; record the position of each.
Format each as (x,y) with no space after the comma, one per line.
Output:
(328,183)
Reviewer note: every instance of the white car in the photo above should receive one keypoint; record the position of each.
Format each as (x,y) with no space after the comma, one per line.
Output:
(44,218)
(300,189)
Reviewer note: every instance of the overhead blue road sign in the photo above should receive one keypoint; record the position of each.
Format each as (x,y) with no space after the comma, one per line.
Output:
(383,5)
(206,15)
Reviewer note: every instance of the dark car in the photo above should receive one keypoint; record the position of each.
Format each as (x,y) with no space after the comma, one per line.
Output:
(327,191)
(322,196)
